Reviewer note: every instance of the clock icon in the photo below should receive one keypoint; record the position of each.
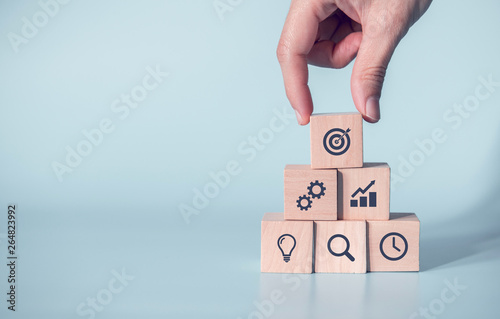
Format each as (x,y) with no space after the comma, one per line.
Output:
(393,246)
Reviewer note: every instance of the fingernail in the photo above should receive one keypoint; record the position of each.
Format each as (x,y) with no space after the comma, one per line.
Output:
(299,117)
(373,108)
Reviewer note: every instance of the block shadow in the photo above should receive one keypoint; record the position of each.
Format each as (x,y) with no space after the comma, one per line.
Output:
(460,238)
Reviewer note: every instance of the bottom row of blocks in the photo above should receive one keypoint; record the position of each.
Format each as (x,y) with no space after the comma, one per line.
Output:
(340,246)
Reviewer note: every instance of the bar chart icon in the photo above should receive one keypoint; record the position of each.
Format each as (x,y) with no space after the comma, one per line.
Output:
(364,201)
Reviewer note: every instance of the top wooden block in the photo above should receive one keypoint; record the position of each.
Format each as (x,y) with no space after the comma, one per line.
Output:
(336,140)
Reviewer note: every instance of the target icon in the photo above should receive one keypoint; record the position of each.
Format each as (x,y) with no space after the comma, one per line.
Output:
(337,141)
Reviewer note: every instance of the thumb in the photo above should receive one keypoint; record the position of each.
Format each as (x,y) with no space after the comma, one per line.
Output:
(369,71)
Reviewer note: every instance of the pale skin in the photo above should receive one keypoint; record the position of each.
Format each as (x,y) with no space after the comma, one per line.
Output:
(332,33)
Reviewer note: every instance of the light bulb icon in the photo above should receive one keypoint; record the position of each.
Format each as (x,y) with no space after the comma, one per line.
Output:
(286,243)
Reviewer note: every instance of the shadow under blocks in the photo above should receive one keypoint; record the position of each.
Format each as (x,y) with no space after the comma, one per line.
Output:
(336,215)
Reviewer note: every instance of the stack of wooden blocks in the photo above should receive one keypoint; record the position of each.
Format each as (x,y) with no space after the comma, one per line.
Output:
(336,217)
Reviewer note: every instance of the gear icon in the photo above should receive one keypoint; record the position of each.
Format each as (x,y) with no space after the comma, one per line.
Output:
(321,192)
(304,198)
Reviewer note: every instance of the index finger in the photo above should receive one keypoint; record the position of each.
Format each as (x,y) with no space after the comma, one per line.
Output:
(296,41)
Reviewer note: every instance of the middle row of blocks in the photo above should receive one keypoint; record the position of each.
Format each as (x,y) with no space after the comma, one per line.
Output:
(329,194)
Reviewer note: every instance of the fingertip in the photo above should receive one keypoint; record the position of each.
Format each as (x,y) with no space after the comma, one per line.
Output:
(301,100)
(299,117)
(302,119)
(370,120)
(372,109)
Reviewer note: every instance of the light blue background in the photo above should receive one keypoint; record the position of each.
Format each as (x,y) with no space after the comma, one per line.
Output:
(119,209)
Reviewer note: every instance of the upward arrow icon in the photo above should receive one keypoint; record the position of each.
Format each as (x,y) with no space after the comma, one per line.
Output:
(363,190)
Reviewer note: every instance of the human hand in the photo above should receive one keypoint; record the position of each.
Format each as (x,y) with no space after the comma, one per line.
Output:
(331,33)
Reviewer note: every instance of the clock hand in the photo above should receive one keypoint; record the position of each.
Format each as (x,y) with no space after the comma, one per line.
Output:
(394,244)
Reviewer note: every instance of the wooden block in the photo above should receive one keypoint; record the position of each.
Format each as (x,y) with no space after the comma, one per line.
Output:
(393,245)
(336,140)
(340,246)
(310,194)
(286,246)
(364,193)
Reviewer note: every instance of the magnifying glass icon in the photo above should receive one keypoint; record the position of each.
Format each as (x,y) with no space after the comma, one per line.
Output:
(346,250)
